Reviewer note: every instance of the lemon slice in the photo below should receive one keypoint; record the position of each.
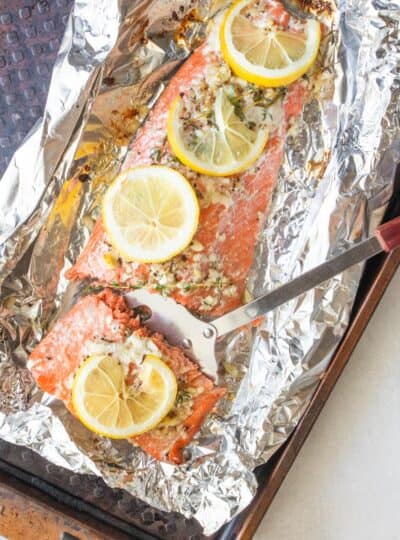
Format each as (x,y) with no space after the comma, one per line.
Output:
(107,405)
(150,213)
(265,52)
(227,146)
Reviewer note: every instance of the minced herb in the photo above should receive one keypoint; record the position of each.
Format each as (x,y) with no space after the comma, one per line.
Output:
(155,155)
(90,289)
(161,289)
(218,283)
(172,159)
(260,98)
(182,396)
(237,106)
(117,285)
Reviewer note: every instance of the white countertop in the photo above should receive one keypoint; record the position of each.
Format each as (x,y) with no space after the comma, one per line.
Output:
(345,483)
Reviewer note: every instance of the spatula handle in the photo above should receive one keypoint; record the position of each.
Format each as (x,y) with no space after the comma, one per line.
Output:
(386,238)
(388,234)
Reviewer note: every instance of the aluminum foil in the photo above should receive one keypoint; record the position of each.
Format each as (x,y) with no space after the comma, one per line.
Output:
(333,186)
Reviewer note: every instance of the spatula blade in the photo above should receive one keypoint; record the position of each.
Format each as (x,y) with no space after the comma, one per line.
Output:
(180,328)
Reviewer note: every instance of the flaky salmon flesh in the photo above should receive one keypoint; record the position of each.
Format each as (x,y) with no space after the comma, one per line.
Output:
(106,318)
(209,277)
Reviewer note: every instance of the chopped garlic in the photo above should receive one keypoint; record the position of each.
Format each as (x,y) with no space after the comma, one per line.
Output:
(196,246)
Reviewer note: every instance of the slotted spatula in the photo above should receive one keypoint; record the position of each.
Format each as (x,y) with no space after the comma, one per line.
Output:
(198,338)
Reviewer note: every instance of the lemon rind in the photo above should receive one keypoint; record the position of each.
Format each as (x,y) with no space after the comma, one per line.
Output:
(104,433)
(181,153)
(277,77)
(147,260)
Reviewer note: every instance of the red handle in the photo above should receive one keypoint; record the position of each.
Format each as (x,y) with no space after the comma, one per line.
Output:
(388,234)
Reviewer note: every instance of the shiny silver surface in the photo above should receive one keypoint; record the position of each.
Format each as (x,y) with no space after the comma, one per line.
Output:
(180,328)
(334,183)
(198,338)
(317,276)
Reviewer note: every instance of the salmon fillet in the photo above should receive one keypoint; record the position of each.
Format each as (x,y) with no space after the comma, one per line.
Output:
(209,277)
(105,317)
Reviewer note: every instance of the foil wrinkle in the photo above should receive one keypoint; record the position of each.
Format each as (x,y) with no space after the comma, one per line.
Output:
(333,187)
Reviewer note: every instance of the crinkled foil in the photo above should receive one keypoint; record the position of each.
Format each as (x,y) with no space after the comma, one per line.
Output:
(334,184)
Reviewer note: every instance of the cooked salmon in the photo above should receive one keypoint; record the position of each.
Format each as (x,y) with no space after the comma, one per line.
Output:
(209,277)
(105,318)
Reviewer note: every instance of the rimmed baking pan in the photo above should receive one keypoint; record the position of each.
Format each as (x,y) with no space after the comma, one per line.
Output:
(80,496)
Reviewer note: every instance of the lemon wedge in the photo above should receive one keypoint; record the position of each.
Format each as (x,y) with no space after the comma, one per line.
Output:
(107,405)
(224,147)
(150,214)
(263,51)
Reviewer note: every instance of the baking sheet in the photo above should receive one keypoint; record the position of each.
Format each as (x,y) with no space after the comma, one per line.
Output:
(333,186)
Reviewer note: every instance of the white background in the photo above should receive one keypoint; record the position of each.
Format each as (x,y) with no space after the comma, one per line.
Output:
(345,483)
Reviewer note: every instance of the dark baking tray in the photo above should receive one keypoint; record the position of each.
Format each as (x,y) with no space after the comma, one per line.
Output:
(29,33)
(30,36)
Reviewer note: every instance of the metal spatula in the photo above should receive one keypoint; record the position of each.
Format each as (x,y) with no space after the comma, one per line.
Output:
(198,338)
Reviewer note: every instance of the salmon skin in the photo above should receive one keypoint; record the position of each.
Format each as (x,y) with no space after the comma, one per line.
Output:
(209,277)
(106,318)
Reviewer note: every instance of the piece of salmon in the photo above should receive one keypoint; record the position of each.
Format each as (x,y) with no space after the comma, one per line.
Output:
(209,277)
(105,317)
